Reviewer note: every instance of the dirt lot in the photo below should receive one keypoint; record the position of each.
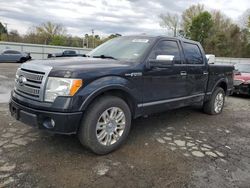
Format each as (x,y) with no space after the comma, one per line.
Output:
(181,148)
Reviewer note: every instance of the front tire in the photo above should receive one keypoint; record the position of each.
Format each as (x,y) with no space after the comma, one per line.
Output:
(106,125)
(216,103)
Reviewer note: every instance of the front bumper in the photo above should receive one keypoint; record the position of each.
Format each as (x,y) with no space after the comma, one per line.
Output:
(242,89)
(57,122)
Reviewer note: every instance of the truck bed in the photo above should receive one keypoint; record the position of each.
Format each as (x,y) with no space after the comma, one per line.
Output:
(218,72)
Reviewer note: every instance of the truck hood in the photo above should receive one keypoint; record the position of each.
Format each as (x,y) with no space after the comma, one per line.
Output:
(80,67)
(242,76)
(80,63)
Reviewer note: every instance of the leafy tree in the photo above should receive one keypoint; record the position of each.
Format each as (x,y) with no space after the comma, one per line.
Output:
(189,14)
(248,23)
(200,27)
(170,21)
(221,22)
(58,40)
(92,42)
(111,37)
(2,29)
(3,32)
(14,36)
(246,38)
(114,36)
(226,38)
(49,30)
(222,44)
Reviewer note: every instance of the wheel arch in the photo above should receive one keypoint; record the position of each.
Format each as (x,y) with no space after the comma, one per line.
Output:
(221,83)
(114,90)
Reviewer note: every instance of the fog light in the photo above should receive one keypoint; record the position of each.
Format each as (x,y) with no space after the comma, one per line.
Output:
(49,123)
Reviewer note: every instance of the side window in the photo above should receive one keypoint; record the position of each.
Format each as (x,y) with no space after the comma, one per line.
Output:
(192,53)
(15,52)
(167,48)
(11,52)
(6,52)
(69,52)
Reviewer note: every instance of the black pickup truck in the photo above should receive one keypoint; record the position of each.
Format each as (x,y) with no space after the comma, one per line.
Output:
(97,96)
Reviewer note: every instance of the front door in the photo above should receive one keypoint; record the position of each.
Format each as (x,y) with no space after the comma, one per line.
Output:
(165,84)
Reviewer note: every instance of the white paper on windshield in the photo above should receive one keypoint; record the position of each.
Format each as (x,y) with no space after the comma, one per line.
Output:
(140,40)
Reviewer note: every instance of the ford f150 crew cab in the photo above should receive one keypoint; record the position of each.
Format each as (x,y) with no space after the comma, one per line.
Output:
(97,96)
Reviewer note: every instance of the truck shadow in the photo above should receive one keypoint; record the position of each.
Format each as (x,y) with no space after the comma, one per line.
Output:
(141,132)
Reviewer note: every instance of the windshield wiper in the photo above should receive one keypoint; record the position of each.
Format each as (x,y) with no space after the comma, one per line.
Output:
(104,57)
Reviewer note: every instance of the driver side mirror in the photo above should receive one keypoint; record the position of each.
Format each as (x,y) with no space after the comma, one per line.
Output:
(162,61)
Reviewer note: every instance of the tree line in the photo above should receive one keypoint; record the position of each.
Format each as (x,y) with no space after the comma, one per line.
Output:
(217,33)
(52,34)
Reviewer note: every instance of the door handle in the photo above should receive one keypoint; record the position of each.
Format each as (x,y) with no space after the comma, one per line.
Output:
(205,73)
(183,73)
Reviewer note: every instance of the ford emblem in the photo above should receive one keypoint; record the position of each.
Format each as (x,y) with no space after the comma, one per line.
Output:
(21,80)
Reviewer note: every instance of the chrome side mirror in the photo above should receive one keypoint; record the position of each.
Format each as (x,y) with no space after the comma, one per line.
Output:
(165,57)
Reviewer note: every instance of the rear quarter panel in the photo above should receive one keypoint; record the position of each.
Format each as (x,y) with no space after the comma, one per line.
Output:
(220,73)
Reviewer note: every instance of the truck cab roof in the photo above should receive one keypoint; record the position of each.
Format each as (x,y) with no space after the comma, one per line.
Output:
(159,37)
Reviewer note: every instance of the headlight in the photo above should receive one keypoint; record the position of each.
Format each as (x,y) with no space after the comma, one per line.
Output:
(61,87)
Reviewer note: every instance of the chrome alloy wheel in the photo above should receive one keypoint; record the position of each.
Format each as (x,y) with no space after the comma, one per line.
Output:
(110,126)
(219,101)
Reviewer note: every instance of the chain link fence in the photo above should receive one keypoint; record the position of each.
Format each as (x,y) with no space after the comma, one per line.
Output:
(39,51)
(230,60)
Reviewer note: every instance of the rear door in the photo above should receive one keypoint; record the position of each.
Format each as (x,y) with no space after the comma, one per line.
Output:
(197,69)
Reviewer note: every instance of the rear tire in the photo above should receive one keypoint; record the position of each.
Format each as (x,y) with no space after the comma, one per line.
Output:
(106,125)
(216,103)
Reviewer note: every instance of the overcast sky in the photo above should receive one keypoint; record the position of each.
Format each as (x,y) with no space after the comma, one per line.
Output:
(105,16)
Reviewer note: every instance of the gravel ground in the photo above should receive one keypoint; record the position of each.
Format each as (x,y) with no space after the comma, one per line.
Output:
(180,148)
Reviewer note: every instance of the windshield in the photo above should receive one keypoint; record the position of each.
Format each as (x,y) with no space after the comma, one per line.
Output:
(243,68)
(122,48)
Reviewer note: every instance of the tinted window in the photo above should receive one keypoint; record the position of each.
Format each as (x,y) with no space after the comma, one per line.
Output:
(69,52)
(6,52)
(192,53)
(167,48)
(11,52)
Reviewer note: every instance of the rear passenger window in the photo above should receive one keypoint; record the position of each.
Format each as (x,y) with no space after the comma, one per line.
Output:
(167,48)
(192,53)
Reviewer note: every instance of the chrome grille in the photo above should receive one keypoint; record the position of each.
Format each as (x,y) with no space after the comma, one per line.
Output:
(30,82)
(28,90)
(32,76)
